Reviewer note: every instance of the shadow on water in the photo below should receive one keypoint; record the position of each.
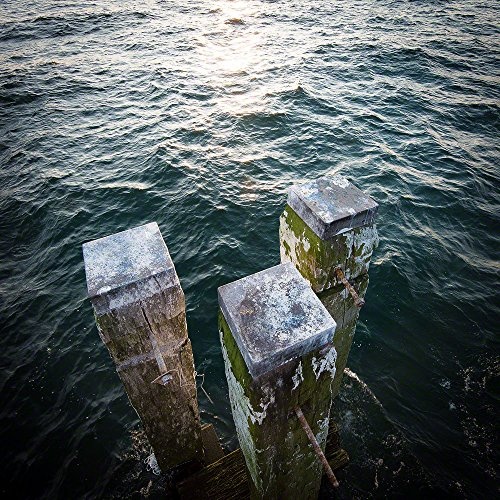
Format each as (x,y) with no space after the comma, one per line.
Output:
(382,463)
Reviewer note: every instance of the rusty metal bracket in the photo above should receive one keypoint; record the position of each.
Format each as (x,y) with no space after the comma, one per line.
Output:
(317,448)
(341,277)
(164,378)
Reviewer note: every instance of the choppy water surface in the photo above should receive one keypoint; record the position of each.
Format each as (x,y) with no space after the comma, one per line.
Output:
(199,115)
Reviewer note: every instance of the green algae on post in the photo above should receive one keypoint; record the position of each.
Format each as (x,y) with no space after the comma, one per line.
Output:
(273,333)
(316,259)
(327,226)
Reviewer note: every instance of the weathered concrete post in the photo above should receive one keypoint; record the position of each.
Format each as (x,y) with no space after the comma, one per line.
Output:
(276,340)
(327,231)
(140,314)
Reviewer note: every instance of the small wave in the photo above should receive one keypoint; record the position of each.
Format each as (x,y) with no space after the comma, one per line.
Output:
(140,186)
(235,21)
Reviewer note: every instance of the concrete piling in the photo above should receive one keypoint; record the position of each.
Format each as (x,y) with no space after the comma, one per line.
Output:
(328,232)
(276,338)
(140,314)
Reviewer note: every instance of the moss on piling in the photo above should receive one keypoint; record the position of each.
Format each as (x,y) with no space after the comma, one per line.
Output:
(278,454)
(316,259)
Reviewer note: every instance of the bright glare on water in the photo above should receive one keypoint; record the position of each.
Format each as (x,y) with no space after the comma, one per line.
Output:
(199,115)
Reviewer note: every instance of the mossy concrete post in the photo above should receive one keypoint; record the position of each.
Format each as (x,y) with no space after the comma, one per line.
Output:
(327,224)
(276,340)
(140,314)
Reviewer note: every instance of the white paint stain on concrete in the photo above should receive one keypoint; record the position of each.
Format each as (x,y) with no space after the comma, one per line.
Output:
(242,411)
(339,181)
(326,363)
(298,377)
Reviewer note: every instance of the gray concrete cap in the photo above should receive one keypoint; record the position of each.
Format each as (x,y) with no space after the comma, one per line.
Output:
(274,316)
(128,257)
(331,205)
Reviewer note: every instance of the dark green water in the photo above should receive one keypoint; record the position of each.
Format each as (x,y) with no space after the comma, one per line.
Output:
(114,114)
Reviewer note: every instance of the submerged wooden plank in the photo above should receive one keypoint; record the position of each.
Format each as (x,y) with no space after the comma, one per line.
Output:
(338,459)
(227,477)
(211,445)
(333,439)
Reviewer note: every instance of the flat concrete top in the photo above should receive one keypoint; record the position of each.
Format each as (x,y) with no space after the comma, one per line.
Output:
(332,204)
(124,258)
(274,316)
